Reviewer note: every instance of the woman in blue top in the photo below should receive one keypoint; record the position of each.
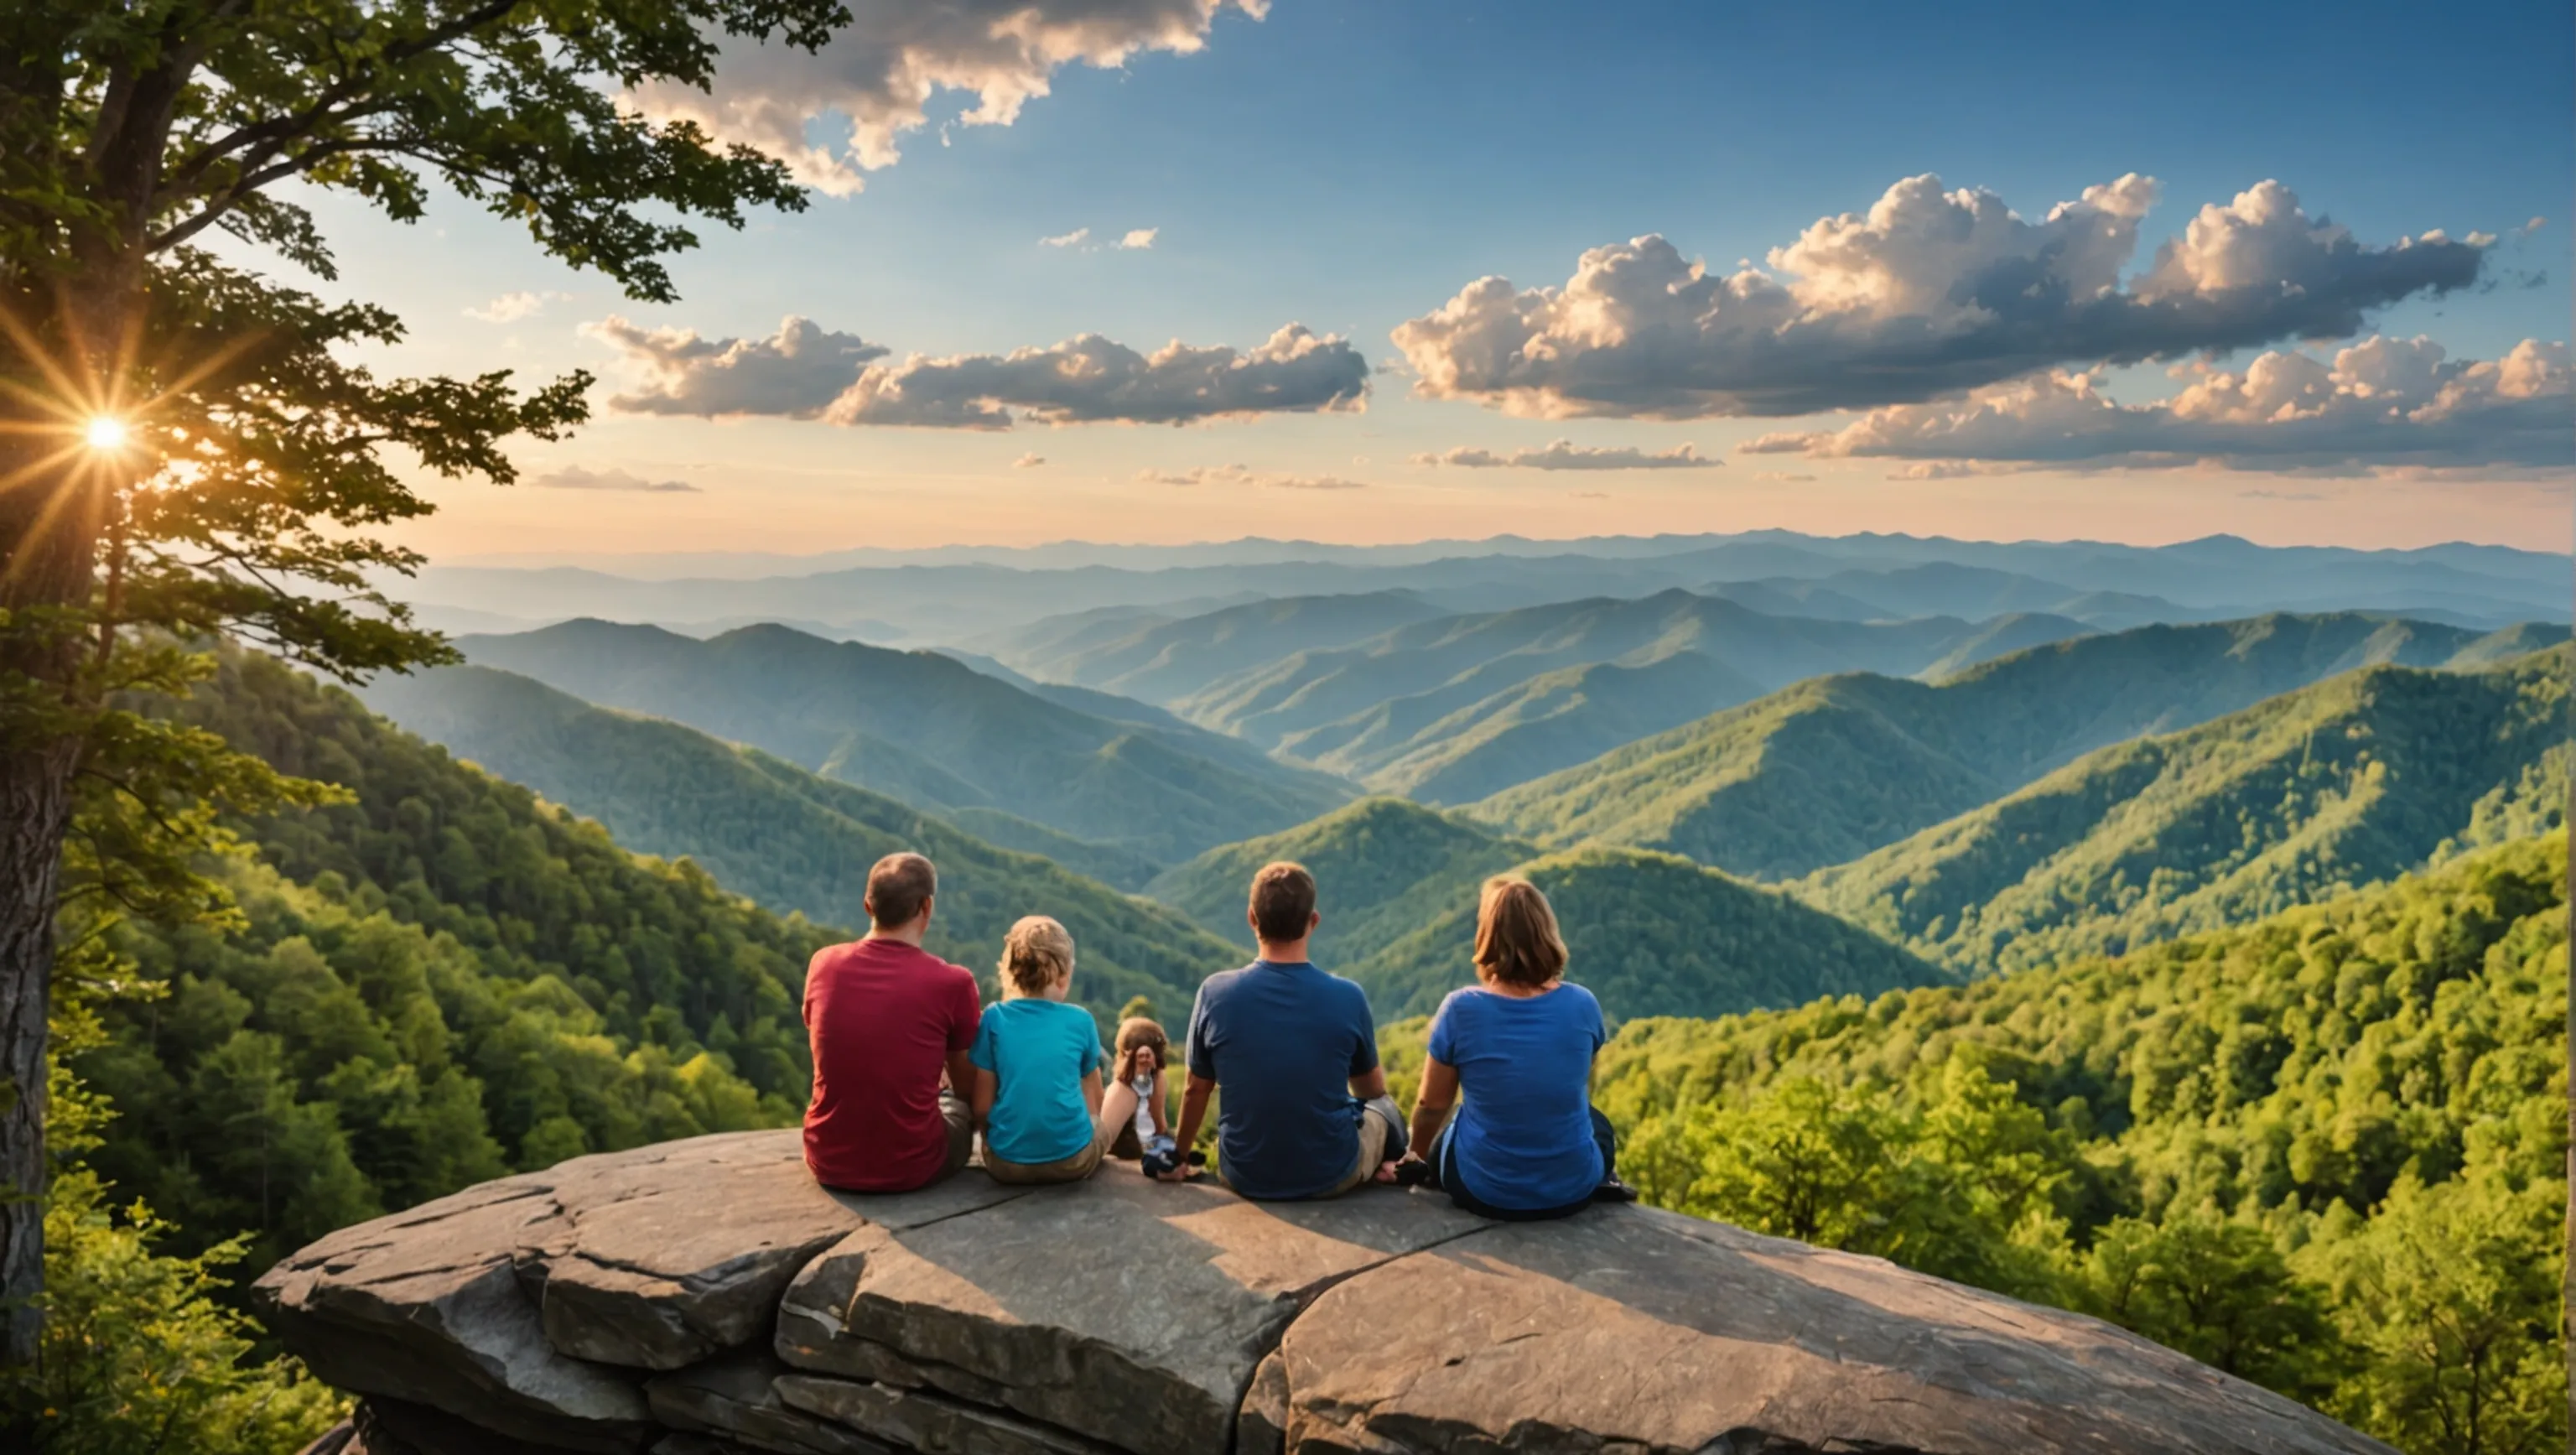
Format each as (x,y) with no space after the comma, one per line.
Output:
(1526,1143)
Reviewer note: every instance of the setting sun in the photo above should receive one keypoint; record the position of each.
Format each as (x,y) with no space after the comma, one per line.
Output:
(106,434)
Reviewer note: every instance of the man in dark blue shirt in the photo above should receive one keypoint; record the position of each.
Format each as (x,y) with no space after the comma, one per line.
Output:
(1306,1112)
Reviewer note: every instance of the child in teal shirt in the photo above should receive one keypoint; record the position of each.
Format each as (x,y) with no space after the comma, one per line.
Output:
(1038,1086)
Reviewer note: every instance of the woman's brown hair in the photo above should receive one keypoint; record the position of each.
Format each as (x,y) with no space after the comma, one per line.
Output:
(1516,937)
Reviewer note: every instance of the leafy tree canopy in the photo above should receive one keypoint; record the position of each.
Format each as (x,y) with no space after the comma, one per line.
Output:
(186,447)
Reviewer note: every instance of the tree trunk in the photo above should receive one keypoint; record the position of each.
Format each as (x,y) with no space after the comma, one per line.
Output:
(49,525)
(35,808)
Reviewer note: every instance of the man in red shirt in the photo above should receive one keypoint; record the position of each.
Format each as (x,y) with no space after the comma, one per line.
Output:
(887,1018)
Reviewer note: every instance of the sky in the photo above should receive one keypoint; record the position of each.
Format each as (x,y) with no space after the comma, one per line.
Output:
(1382,270)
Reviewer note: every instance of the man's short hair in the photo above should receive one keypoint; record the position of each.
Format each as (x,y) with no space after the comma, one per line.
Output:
(898,887)
(1283,902)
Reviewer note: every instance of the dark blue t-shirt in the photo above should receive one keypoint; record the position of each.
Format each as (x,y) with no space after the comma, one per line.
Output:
(1523,1137)
(1282,1043)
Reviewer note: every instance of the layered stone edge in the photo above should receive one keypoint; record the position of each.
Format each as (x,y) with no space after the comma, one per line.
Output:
(493,1356)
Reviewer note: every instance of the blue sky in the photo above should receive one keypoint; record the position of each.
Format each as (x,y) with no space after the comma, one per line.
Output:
(1350,166)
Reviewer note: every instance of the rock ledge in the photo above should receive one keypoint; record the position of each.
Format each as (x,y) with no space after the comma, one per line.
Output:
(706,1298)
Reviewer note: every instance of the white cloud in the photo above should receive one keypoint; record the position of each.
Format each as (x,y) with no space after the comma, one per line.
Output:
(798,373)
(2383,404)
(511,307)
(1243,475)
(1091,379)
(574,477)
(1567,455)
(804,372)
(1929,292)
(1029,461)
(878,72)
(1073,239)
(1140,237)
(1784,477)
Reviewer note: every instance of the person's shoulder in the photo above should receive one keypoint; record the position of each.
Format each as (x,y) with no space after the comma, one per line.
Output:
(1463,996)
(1216,985)
(1583,997)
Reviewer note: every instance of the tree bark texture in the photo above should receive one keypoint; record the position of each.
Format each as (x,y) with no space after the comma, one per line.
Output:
(49,521)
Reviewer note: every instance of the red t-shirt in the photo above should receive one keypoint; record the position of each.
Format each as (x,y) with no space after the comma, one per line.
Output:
(883,1016)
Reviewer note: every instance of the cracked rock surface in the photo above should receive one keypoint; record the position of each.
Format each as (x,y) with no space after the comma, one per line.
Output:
(706,1298)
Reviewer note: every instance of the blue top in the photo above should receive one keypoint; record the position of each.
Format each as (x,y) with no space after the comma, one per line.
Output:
(1038,1050)
(1282,1043)
(1523,1134)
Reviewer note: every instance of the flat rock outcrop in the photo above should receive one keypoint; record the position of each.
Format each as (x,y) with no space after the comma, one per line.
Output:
(706,1298)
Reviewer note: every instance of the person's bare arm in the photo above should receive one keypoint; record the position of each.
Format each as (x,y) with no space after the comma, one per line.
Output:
(1431,1105)
(1091,1092)
(1369,1085)
(982,1086)
(961,1079)
(1194,1103)
(1162,1117)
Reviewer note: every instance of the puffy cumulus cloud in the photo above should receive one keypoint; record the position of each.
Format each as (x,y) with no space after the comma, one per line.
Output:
(1567,455)
(1090,380)
(574,477)
(797,373)
(1928,293)
(1140,237)
(1242,475)
(805,372)
(511,307)
(879,71)
(2381,405)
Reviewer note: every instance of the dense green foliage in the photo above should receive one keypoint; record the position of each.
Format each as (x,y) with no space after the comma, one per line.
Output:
(929,730)
(142,1351)
(1651,934)
(789,839)
(2359,778)
(436,981)
(2325,1149)
(1830,769)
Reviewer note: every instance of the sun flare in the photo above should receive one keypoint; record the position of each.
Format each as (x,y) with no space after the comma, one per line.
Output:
(105,433)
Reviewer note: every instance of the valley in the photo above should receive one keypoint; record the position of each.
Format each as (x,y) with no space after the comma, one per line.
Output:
(2059,916)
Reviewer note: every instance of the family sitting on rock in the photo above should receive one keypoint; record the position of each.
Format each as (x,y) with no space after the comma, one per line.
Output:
(909,1065)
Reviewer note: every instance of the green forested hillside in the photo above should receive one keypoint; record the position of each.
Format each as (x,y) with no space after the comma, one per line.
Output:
(929,730)
(1651,934)
(1654,934)
(1455,708)
(439,980)
(1833,768)
(1383,868)
(1165,659)
(789,839)
(2325,1150)
(2359,778)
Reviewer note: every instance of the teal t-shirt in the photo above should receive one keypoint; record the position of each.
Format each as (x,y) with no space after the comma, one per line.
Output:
(1038,1050)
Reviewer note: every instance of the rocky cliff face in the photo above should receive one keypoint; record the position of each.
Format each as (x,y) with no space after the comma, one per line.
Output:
(706,1298)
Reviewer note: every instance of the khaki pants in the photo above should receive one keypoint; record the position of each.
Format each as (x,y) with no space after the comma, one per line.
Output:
(1070,1169)
(1382,1139)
